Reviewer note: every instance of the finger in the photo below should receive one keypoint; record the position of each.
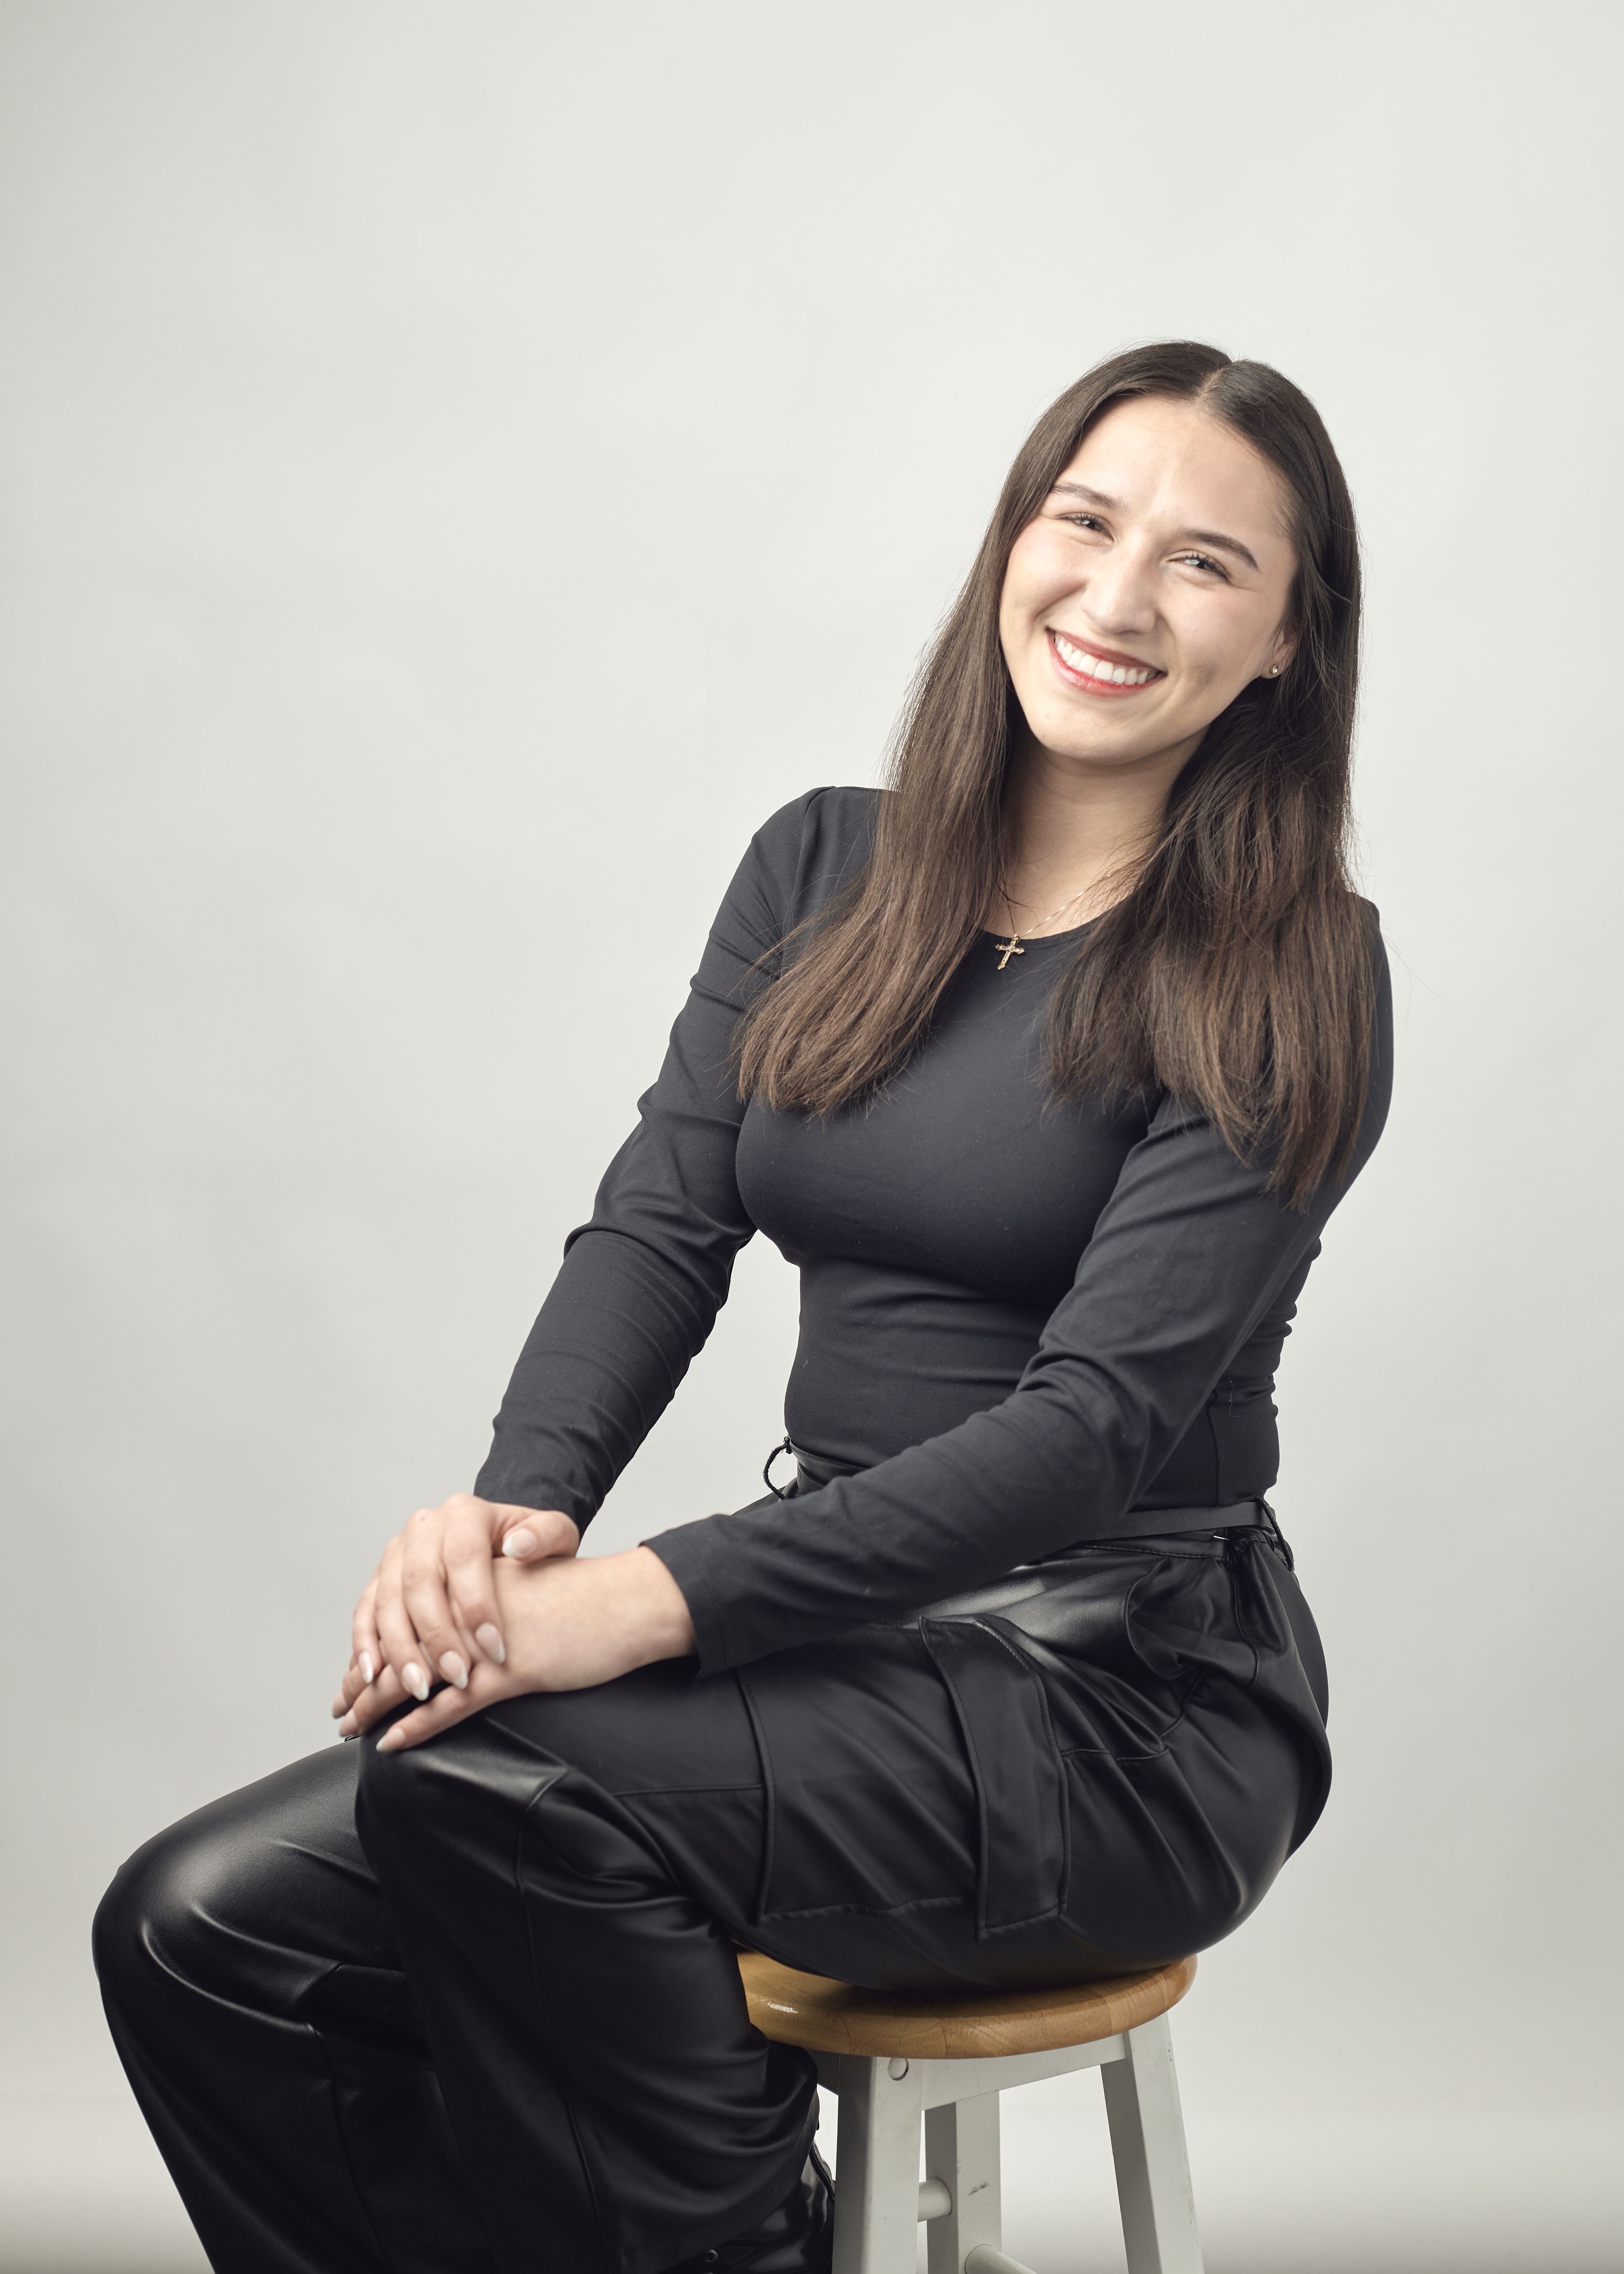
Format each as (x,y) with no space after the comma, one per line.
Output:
(381,1698)
(448,1651)
(466,1548)
(397,1637)
(534,1533)
(446,1708)
(353,1683)
(364,1632)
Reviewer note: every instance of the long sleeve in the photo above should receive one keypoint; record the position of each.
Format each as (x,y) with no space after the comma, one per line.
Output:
(1187,1256)
(640,1282)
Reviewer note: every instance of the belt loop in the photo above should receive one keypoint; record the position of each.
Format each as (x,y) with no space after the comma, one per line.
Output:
(1271,1526)
(787,1492)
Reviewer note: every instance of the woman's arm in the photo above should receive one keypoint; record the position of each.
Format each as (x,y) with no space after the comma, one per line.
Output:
(569,1626)
(1189,1255)
(635,1299)
(641,1282)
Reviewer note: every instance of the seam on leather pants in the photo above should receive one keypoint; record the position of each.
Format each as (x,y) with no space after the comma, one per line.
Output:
(565,2085)
(1152,1753)
(1232,1553)
(341,2136)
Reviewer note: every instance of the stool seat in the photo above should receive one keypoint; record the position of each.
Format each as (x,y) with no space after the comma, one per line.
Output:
(833,2017)
(896,2060)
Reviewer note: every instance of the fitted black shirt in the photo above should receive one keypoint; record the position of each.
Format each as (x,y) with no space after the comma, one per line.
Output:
(1018,1319)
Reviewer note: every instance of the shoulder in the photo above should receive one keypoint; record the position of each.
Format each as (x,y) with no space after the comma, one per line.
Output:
(809,851)
(817,823)
(1371,917)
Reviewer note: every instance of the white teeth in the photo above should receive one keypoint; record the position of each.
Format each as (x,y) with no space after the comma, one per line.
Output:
(1094,667)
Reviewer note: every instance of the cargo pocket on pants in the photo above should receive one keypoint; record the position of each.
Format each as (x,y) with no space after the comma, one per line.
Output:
(1023,1849)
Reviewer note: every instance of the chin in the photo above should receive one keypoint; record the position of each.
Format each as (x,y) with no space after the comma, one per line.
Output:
(1089,745)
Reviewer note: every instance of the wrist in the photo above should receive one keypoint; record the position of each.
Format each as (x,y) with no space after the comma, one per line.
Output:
(662,1625)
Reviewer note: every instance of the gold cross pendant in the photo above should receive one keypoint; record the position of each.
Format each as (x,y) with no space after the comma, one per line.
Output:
(1011,946)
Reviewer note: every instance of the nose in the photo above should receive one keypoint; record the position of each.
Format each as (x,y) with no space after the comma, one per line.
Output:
(1117,593)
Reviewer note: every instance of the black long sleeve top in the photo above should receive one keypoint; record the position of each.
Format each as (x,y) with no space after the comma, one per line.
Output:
(1018,1319)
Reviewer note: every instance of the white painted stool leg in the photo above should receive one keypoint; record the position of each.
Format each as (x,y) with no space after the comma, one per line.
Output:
(961,2149)
(876,2181)
(1147,2142)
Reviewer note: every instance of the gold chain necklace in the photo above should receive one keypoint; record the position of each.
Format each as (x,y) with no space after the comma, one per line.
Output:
(1005,948)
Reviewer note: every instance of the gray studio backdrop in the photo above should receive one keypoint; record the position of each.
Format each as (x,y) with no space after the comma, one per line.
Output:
(465,467)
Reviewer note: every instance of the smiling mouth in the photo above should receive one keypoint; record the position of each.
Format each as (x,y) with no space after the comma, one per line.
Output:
(1100,672)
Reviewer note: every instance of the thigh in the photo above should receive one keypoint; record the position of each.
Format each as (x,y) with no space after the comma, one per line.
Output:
(832,1776)
(897,1806)
(945,1805)
(820,1804)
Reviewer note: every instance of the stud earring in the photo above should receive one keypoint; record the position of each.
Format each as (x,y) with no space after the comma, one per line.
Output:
(1273,671)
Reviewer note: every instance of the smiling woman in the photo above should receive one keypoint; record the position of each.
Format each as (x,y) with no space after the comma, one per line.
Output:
(1185,516)
(1046,1067)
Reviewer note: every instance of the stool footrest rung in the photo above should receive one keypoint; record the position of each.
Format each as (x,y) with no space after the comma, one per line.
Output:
(936,2199)
(987,2260)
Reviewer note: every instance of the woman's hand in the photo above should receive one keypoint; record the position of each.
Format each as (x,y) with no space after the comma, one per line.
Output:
(430,1611)
(570,1623)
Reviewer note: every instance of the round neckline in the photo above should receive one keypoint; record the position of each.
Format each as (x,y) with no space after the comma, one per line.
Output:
(1043,939)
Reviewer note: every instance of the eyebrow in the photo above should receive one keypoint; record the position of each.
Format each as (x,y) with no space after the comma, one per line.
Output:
(1212,537)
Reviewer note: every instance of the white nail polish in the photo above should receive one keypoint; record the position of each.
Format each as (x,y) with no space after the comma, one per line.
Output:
(415,1679)
(490,1641)
(519,1544)
(367,1668)
(456,1673)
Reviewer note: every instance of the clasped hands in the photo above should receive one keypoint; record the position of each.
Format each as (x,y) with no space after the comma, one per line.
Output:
(477,1601)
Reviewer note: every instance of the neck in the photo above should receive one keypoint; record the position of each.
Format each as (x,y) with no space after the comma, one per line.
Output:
(1073,827)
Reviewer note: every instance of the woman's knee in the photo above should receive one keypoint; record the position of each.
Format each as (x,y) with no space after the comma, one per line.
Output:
(453,1802)
(403,1800)
(150,1918)
(213,1896)
(414,1798)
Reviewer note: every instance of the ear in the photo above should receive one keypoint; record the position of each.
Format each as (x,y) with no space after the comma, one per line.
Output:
(1281,651)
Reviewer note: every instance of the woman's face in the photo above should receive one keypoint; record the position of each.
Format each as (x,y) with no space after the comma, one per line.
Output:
(1152,586)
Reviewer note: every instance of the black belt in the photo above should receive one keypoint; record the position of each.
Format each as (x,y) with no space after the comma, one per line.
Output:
(811,1472)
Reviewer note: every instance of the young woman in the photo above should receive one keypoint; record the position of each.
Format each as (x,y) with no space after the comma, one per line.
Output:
(1046,1067)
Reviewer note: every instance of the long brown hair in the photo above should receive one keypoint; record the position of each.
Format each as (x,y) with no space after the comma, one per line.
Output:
(1237,970)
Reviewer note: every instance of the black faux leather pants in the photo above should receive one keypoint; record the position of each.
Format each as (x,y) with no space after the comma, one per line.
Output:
(476,2006)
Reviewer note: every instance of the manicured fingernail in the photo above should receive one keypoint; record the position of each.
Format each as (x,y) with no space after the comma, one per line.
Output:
(490,1641)
(390,1742)
(340,1704)
(519,1544)
(456,1673)
(415,1679)
(365,1663)
(346,1726)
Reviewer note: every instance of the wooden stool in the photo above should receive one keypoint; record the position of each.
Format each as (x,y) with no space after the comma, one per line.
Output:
(892,2059)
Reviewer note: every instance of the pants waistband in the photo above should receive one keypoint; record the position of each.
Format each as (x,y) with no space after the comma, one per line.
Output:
(812,1471)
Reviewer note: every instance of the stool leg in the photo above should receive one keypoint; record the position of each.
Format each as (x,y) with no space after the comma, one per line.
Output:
(961,2149)
(877,2182)
(1148,2143)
